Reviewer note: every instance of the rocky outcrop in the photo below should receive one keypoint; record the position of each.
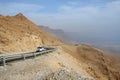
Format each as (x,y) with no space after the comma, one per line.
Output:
(63,74)
(17,33)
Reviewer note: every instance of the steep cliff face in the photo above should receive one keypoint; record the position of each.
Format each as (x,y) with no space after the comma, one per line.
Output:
(17,33)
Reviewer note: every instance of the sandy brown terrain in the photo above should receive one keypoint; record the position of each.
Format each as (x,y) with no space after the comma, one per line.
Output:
(95,62)
(17,33)
(76,62)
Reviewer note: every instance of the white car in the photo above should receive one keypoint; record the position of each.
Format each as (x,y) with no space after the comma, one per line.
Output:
(39,49)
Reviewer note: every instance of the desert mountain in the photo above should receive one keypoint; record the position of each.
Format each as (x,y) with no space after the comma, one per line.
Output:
(17,33)
(58,33)
(68,62)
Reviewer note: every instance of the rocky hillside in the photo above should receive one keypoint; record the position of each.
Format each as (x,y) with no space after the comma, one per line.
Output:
(95,62)
(17,33)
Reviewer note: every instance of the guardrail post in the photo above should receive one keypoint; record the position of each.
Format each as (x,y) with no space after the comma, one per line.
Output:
(4,60)
(34,54)
(24,56)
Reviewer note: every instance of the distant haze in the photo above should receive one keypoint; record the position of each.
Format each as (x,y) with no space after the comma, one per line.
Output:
(86,19)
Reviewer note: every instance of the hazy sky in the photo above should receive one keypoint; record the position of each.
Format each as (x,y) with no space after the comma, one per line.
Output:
(99,18)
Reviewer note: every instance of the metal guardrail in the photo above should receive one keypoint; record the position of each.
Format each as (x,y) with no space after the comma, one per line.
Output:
(9,58)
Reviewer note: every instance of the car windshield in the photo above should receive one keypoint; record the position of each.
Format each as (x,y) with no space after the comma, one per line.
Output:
(39,47)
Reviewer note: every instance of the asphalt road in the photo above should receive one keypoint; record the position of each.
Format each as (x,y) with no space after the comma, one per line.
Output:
(23,56)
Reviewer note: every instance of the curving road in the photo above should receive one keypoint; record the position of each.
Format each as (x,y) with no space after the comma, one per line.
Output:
(10,58)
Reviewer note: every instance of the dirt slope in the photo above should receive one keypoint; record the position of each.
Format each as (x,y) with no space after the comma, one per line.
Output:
(98,64)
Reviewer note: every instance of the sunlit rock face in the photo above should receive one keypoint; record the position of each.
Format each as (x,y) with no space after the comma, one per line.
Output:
(17,33)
